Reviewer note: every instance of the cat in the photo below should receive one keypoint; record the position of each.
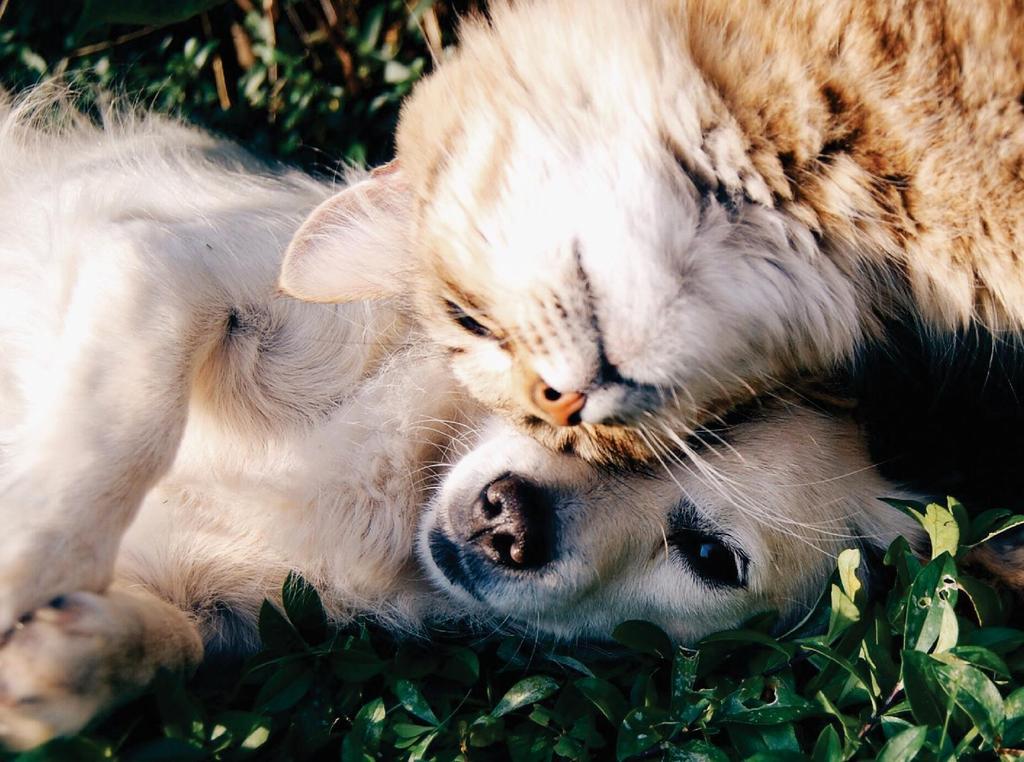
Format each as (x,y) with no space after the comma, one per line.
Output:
(631,217)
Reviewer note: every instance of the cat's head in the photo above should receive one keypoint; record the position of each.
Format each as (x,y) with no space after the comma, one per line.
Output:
(587,235)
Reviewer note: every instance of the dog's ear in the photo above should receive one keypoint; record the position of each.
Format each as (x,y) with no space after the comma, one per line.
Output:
(355,245)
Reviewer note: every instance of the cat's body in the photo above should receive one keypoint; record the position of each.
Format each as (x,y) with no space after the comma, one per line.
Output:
(671,205)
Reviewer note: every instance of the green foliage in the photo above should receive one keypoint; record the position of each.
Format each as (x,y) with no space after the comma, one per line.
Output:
(928,670)
(922,672)
(311,82)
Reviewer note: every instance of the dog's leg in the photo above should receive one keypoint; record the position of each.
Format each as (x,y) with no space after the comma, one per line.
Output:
(68,661)
(103,421)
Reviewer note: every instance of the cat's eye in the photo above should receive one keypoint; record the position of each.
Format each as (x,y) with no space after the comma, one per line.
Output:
(467,322)
(710,557)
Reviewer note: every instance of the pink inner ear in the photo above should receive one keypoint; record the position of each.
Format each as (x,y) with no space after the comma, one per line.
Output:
(352,245)
(386,169)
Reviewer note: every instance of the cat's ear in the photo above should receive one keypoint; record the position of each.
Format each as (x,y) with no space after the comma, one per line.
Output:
(355,245)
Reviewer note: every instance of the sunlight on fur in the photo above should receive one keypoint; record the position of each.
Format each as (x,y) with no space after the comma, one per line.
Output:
(671,206)
(177,436)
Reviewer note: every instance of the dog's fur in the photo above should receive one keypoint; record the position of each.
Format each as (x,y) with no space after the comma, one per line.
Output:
(177,436)
(672,205)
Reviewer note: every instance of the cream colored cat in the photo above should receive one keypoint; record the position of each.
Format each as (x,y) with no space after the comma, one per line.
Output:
(641,213)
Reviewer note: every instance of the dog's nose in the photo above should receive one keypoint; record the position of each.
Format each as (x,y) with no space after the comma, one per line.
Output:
(559,408)
(512,523)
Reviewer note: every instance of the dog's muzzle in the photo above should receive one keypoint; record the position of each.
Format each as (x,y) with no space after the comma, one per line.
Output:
(509,528)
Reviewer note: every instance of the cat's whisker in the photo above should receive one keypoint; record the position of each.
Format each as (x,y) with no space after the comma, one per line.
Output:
(736,494)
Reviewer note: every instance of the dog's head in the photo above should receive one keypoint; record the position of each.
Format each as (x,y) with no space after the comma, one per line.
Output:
(547,543)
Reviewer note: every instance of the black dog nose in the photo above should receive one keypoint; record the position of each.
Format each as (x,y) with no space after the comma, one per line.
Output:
(512,523)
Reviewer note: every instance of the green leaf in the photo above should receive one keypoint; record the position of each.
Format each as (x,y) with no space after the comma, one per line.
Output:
(462,666)
(528,746)
(285,688)
(922,682)
(644,637)
(414,702)
(962,517)
(179,714)
(904,746)
(683,706)
(367,728)
(357,663)
(245,730)
(419,749)
(776,702)
(569,747)
(984,600)
(975,694)
(843,664)
(486,730)
(371,29)
(750,637)
(847,564)
(828,747)
(1013,710)
(930,604)
(605,696)
(749,740)
(851,725)
(1004,523)
(983,658)
(905,561)
(572,663)
(276,632)
(934,683)
(256,738)
(844,613)
(638,732)
(942,530)
(949,630)
(145,12)
(304,609)
(527,691)
(1000,640)
(696,751)
(877,652)
(1014,705)
(409,730)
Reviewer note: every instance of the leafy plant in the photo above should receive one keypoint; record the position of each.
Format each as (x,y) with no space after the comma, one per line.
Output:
(307,80)
(929,671)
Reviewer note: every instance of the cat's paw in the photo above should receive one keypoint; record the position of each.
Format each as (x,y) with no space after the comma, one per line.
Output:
(63,663)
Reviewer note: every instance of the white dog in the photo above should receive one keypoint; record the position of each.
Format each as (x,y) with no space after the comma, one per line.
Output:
(175,436)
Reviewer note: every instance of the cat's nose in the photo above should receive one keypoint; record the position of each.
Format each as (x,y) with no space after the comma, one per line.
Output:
(559,408)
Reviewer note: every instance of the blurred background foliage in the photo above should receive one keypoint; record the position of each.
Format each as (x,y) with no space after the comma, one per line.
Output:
(308,81)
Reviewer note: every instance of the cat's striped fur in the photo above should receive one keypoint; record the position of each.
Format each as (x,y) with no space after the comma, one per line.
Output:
(672,205)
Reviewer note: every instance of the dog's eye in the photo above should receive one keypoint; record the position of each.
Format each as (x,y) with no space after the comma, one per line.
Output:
(710,558)
(466,322)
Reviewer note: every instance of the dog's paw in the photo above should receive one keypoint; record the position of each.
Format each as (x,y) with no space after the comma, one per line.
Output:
(63,663)
(46,562)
